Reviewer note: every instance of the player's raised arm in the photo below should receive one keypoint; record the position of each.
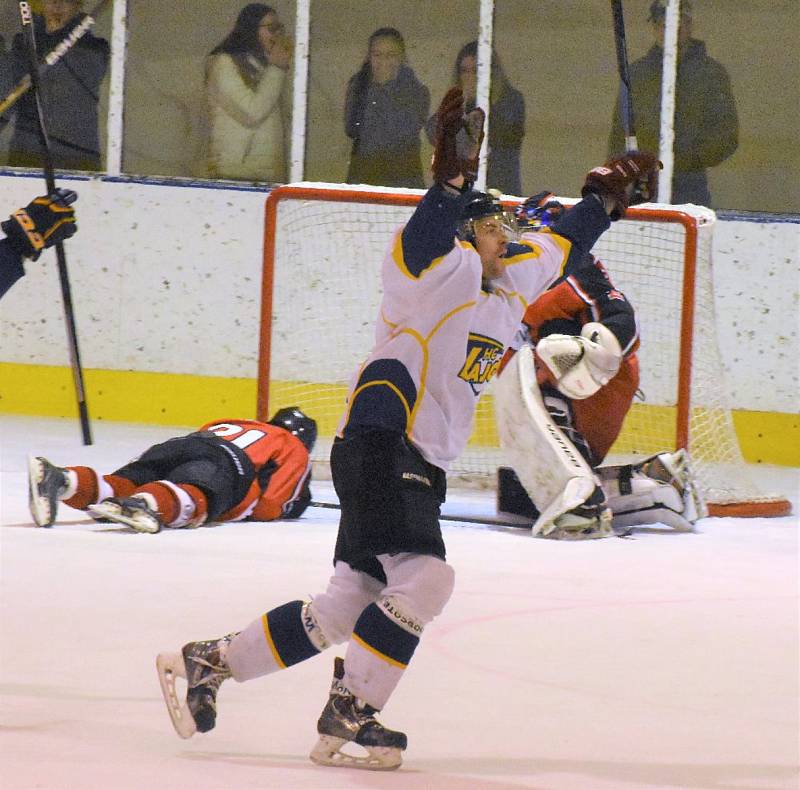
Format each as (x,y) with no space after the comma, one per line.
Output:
(607,193)
(430,233)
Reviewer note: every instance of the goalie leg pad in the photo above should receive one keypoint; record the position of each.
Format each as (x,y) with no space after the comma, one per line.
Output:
(552,471)
(658,490)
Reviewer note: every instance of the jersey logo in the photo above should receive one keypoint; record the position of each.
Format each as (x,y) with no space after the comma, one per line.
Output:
(483,360)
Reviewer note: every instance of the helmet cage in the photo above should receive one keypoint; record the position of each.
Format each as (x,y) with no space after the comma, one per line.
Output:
(482,207)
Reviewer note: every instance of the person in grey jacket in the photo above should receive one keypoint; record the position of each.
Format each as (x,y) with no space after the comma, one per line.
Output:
(385,110)
(70,92)
(506,119)
(706,122)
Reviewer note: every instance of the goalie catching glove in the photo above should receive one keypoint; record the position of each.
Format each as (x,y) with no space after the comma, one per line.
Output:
(581,364)
(458,140)
(45,221)
(627,180)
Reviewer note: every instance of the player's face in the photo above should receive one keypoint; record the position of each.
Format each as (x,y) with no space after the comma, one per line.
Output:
(385,57)
(491,241)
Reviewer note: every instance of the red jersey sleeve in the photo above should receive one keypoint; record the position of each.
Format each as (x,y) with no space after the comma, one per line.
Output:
(585,295)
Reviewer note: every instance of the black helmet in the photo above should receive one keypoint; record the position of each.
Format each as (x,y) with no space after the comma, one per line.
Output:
(293,420)
(481,205)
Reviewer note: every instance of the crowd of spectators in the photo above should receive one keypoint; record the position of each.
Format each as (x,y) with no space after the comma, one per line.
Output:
(247,81)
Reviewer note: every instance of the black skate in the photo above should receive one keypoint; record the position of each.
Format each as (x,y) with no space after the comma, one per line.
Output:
(204,667)
(346,719)
(134,511)
(46,483)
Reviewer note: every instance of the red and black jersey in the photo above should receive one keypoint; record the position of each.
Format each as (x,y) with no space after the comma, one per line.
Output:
(586,294)
(282,469)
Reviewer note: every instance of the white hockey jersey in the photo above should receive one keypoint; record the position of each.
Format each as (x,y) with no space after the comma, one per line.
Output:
(440,337)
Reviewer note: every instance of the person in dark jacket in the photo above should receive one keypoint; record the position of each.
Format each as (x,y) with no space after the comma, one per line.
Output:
(706,123)
(70,92)
(385,110)
(506,119)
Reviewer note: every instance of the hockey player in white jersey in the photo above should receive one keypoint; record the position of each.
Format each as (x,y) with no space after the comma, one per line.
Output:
(455,288)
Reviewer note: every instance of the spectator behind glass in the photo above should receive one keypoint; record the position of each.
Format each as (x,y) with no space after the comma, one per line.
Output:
(245,77)
(385,110)
(706,124)
(70,92)
(506,119)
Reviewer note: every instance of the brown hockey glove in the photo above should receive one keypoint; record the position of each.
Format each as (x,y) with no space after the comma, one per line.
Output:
(627,180)
(45,221)
(458,139)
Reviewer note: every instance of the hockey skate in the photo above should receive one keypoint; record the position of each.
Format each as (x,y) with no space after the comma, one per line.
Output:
(588,521)
(204,667)
(46,482)
(582,524)
(346,719)
(134,511)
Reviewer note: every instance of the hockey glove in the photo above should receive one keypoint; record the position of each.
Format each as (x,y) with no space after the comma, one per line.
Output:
(458,139)
(538,211)
(627,180)
(581,364)
(44,222)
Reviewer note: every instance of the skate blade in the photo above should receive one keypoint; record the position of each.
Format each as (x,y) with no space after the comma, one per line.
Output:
(42,516)
(170,666)
(112,513)
(588,534)
(377,758)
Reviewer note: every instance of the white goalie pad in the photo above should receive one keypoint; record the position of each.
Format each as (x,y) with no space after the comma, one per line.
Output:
(658,490)
(550,469)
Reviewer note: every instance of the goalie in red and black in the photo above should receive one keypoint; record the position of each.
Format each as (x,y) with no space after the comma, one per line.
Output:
(227,470)
(586,369)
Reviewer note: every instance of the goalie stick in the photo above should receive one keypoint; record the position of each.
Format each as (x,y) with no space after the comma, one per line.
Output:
(26,17)
(53,56)
(489,522)
(626,96)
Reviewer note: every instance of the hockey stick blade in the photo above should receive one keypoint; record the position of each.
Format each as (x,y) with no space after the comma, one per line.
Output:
(53,56)
(485,520)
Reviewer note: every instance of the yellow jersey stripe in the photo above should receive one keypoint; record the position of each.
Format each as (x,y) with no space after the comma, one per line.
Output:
(377,653)
(275,654)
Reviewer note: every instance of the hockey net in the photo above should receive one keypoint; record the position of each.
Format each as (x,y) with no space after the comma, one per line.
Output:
(324,245)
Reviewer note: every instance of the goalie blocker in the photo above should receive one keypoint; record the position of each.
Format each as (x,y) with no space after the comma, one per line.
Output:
(552,486)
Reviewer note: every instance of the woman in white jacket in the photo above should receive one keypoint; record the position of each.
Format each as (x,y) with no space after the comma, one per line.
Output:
(245,76)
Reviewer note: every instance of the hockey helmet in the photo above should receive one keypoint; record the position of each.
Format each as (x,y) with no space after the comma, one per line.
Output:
(300,425)
(482,205)
(539,211)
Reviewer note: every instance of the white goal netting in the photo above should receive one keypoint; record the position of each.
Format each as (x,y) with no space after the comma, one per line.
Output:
(324,245)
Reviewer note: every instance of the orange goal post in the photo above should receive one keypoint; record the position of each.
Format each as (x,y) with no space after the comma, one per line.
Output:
(321,289)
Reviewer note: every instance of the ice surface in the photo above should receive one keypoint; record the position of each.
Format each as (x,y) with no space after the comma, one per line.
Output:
(663,661)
